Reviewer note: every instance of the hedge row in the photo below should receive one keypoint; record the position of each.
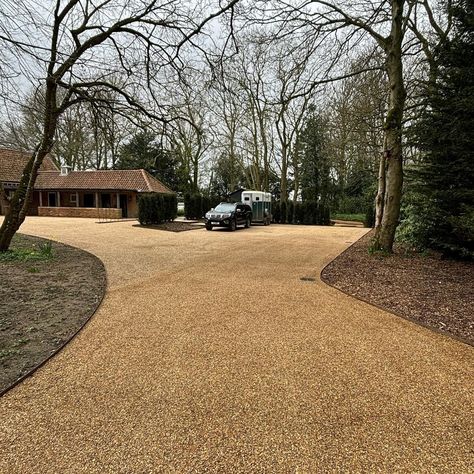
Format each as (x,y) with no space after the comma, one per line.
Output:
(157,208)
(196,205)
(369,220)
(306,212)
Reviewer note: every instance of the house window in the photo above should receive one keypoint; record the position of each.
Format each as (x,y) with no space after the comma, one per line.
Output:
(73,198)
(257,199)
(247,198)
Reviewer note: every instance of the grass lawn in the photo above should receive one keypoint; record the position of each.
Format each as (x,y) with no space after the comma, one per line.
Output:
(348,217)
(24,249)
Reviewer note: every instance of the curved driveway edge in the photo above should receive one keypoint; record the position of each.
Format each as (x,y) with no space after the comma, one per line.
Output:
(93,310)
(209,354)
(387,308)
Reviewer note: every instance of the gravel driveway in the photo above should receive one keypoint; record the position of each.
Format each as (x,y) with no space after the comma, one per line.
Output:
(209,354)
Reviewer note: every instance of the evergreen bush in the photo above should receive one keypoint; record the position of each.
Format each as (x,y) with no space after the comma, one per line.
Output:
(306,212)
(196,205)
(283,212)
(290,213)
(369,220)
(439,202)
(193,206)
(299,213)
(276,211)
(157,208)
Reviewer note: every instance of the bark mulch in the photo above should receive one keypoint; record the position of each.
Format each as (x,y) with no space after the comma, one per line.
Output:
(173,226)
(435,292)
(44,303)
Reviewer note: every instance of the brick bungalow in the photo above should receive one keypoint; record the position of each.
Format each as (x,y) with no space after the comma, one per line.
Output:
(66,193)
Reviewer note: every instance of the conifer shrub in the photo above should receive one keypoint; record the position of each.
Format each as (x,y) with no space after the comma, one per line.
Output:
(306,212)
(283,212)
(276,212)
(196,205)
(290,212)
(325,215)
(157,208)
(369,220)
(299,213)
(193,206)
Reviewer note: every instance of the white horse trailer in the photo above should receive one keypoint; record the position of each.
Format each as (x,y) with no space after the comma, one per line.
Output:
(261,204)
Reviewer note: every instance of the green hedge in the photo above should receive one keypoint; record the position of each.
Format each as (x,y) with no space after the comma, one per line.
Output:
(157,208)
(306,212)
(196,205)
(369,220)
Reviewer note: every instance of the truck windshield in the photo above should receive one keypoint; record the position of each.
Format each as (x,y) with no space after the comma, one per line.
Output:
(225,207)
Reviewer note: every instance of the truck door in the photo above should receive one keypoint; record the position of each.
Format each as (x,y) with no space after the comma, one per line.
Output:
(257,208)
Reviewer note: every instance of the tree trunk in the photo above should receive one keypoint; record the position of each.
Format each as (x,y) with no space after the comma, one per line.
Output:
(379,199)
(385,234)
(21,200)
(22,197)
(284,176)
(266,167)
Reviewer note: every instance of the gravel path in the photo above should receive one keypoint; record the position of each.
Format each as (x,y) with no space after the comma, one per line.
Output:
(209,354)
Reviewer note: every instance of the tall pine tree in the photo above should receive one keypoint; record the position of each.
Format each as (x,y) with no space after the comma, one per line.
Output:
(315,169)
(442,201)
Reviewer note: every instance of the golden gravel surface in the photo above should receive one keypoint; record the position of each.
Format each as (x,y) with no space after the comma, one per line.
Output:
(209,354)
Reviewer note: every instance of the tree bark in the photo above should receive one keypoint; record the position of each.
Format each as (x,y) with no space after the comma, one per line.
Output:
(379,199)
(284,176)
(385,234)
(22,197)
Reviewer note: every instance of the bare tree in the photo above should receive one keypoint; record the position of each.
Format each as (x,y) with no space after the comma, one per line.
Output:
(327,21)
(190,138)
(74,63)
(228,117)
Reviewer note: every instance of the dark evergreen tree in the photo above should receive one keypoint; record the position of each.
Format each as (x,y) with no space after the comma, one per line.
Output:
(227,176)
(315,170)
(144,151)
(441,204)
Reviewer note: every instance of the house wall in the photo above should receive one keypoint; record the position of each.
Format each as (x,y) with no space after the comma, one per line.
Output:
(65,203)
(3,205)
(95,212)
(133,205)
(32,210)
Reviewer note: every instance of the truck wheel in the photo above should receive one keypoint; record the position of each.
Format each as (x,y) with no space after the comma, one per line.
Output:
(233,225)
(247,223)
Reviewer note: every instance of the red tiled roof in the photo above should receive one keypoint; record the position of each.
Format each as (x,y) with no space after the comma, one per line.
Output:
(120,180)
(12,163)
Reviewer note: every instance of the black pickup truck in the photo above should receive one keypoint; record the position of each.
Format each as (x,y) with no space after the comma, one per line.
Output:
(229,214)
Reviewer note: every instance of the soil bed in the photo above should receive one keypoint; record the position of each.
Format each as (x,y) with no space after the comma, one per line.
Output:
(434,292)
(43,304)
(173,226)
